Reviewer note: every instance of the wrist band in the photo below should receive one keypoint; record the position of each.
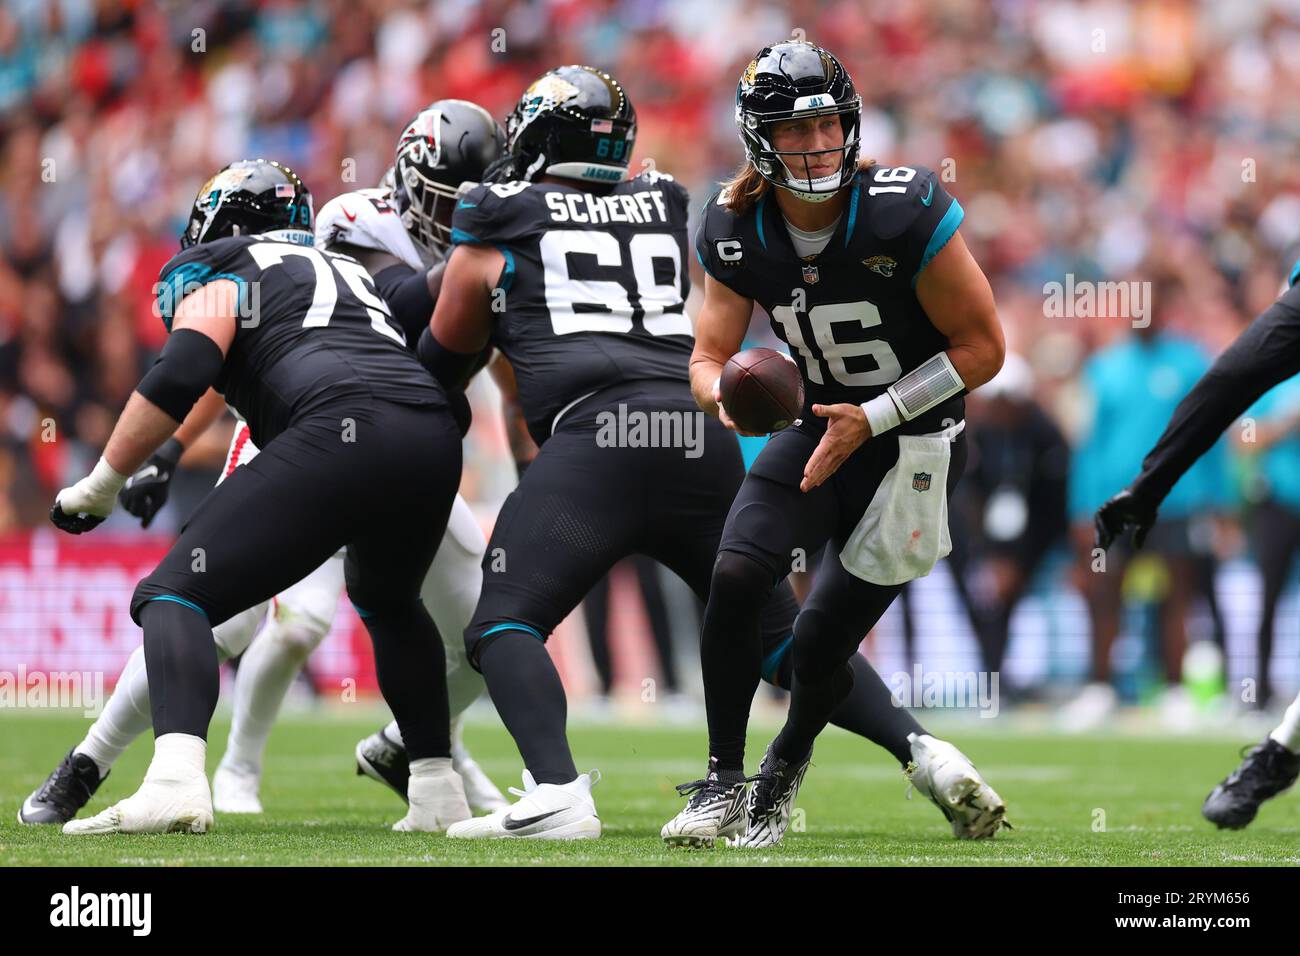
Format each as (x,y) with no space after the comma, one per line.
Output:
(882,413)
(104,479)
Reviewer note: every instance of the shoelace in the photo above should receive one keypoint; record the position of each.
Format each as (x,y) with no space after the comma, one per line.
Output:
(767,785)
(1260,767)
(59,784)
(702,791)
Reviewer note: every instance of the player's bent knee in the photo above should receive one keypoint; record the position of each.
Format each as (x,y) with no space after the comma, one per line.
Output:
(818,649)
(740,577)
(479,637)
(299,637)
(150,589)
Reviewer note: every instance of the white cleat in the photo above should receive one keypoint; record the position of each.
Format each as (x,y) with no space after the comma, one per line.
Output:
(715,811)
(481,792)
(159,806)
(234,789)
(771,800)
(1089,710)
(950,781)
(547,811)
(437,802)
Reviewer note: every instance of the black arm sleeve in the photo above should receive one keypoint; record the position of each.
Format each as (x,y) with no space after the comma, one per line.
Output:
(1264,355)
(189,363)
(408,298)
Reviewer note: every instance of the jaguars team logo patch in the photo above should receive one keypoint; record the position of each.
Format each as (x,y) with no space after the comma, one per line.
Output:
(810,275)
(547,92)
(751,71)
(921,481)
(881,265)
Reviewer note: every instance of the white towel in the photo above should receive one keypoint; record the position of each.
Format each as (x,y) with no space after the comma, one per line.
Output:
(904,531)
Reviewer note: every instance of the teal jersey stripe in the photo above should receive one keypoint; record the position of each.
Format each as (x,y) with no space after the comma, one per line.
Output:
(179,600)
(939,238)
(514,626)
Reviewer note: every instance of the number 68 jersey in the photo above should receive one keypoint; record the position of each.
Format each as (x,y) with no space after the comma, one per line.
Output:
(310,330)
(849,314)
(594,286)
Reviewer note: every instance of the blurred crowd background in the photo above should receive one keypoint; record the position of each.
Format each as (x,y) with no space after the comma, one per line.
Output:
(1150,141)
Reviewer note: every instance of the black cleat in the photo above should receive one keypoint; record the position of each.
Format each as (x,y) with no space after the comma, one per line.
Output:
(1266,771)
(383,759)
(64,792)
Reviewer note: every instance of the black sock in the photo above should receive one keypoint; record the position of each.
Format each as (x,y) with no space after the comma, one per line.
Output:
(411,665)
(527,692)
(869,710)
(731,654)
(180,659)
(811,705)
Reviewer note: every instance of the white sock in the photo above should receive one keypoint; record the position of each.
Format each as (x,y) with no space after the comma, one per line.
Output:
(126,716)
(177,757)
(1288,732)
(450,591)
(265,673)
(233,636)
(430,766)
(393,734)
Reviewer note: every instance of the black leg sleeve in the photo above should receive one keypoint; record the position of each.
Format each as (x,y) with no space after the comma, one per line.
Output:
(181,661)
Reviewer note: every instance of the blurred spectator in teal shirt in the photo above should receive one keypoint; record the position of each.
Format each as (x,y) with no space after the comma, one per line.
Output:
(1270,440)
(1131,389)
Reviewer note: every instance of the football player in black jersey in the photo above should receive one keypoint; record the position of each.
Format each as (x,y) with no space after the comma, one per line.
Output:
(578,277)
(358,448)
(864,275)
(1265,355)
(401,240)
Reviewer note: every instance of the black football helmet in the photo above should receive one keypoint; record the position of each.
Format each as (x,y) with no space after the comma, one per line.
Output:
(793,80)
(574,122)
(449,142)
(247,198)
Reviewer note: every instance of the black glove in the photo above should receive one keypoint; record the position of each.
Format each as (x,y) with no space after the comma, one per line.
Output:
(146,491)
(74,523)
(1120,513)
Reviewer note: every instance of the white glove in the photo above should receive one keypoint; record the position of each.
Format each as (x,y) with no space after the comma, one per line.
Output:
(88,502)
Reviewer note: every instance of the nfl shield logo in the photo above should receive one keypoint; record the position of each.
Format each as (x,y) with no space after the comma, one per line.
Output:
(810,275)
(921,481)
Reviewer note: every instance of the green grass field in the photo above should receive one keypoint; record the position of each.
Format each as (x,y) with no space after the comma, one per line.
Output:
(319,813)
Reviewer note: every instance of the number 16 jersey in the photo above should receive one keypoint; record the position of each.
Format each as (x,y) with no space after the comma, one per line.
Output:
(593,290)
(850,313)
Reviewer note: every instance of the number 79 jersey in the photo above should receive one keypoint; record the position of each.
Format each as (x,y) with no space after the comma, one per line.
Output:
(310,330)
(594,287)
(849,314)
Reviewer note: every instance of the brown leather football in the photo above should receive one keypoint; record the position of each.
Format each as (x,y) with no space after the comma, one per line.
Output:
(762,390)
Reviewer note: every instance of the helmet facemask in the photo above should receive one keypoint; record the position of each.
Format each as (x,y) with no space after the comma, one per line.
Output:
(787,168)
(426,206)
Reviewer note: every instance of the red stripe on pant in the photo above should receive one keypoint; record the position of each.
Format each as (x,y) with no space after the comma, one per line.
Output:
(238,449)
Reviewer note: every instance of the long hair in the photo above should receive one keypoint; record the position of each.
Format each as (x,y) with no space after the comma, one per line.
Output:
(746,187)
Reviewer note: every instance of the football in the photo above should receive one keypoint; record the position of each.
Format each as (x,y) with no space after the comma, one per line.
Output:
(762,390)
